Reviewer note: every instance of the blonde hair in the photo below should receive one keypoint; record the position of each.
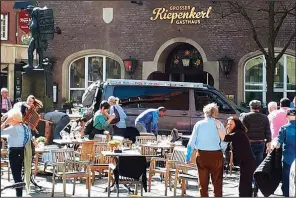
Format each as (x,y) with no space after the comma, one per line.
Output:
(210,109)
(113,100)
(15,116)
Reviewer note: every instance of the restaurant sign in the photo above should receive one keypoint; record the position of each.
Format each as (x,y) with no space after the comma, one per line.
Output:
(24,21)
(182,15)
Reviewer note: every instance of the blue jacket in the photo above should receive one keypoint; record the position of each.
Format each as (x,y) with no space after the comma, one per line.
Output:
(149,119)
(287,139)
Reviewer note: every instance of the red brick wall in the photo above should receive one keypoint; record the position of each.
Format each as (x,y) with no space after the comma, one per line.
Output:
(131,33)
(7,7)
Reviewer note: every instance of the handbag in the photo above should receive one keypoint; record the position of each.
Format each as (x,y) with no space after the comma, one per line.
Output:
(117,116)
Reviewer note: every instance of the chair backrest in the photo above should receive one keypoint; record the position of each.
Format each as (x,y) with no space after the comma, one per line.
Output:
(145,139)
(87,150)
(97,150)
(179,154)
(62,155)
(148,151)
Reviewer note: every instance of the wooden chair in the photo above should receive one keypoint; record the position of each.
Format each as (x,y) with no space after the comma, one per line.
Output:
(86,150)
(4,157)
(177,157)
(182,174)
(65,166)
(99,162)
(120,170)
(145,139)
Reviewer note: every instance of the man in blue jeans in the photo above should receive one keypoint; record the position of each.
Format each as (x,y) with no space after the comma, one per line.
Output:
(59,119)
(258,133)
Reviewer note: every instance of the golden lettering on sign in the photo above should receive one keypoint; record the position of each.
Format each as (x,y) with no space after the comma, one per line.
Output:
(181,14)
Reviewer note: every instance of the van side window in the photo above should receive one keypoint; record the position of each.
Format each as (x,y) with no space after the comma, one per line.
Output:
(202,98)
(152,97)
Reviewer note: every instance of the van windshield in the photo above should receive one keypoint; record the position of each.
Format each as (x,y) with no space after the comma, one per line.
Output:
(150,97)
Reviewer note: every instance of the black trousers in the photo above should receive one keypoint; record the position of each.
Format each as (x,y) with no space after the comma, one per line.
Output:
(247,168)
(119,131)
(16,160)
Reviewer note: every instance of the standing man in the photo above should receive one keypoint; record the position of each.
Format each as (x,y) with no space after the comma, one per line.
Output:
(59,119)
(147,121)
(258,133)
(278,118)
(5,101)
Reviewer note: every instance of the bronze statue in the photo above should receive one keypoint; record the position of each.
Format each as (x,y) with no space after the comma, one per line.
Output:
(42,30)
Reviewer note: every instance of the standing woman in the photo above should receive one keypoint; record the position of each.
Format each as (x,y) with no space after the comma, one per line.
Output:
(119,126)
(18,137)
(102,119)
(236,133)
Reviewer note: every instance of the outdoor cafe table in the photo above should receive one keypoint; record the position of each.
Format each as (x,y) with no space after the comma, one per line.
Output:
(161,146)
(124,153)
(65,142)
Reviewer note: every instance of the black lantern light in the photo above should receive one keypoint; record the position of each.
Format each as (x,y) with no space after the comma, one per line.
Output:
(130,65)
(225,64)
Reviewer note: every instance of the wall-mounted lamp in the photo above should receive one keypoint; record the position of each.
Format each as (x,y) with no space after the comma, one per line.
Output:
(139,2)
(225,64)
(130,65)
(55,93)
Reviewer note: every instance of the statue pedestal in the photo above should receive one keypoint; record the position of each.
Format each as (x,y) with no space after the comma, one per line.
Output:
(38,82)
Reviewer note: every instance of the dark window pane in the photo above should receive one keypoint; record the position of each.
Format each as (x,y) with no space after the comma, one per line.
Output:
(76,95)
(77,74)
(253,96)
(203,98)
(113,69)
(153,97)
(95,69)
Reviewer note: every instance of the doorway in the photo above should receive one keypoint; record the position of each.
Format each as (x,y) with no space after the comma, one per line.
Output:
(4,76)
(185,64)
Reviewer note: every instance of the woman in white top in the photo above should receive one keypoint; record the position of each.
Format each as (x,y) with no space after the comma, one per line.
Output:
(119,126)
(18,135)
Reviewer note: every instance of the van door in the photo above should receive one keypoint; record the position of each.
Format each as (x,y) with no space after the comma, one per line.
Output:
(204,97)
(136,99)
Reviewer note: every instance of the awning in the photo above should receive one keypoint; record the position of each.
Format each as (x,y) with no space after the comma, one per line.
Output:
(23,4)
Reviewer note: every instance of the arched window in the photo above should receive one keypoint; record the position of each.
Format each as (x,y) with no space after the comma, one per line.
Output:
(255,79)
(88,69)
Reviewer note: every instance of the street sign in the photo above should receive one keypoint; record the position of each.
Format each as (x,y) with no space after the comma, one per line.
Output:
(24,21)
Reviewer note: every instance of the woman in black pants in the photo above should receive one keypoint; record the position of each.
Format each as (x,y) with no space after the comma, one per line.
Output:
(236,133)
(18,135)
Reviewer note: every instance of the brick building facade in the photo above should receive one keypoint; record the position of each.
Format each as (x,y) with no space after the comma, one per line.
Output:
(128,30)
(13,45)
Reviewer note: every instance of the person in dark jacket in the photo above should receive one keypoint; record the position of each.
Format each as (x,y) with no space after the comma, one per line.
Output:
(286,139)
(236,133)
(258,132)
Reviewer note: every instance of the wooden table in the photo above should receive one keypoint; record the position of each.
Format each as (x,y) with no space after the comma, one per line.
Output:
(124,153)
(186,136)
(65,142)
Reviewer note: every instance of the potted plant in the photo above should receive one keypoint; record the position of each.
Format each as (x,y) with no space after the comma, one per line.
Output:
(113,144)
(68,104)
(40,141)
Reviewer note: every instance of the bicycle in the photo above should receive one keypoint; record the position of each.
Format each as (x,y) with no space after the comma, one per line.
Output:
(16,185)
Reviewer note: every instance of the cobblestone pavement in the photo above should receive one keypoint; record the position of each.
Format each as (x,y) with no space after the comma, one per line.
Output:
(230,188)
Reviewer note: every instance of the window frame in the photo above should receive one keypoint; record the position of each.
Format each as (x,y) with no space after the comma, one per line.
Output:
(4,16)
(231,109)
(283,90)
(86,79)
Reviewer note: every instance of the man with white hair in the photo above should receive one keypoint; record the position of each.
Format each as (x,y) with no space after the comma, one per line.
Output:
(206,142)
(5,101)
(272,106)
